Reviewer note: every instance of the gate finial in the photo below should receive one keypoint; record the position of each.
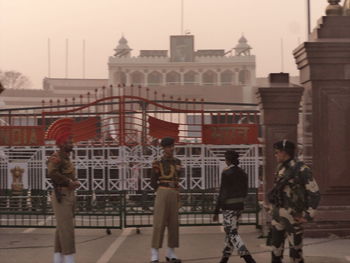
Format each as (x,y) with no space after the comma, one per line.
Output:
(334,9)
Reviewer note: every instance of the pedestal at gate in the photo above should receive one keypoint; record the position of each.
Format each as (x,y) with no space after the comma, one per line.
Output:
(324,64)
(279,103)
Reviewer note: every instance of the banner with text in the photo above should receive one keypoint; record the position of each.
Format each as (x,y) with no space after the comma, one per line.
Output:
(21,136)
(230,134)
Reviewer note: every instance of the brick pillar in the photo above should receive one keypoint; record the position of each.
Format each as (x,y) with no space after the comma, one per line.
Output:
(324,64)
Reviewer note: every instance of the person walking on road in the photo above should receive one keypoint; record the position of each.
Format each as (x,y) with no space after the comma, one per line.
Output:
(233,191)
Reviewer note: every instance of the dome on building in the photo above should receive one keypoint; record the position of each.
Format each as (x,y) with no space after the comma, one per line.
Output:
(123,49)
(243,40)
(242,48)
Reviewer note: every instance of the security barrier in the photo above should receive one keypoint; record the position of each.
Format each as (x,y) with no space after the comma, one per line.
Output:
(114,210)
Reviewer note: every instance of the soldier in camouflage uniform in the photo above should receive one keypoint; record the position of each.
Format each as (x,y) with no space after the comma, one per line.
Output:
(61,171)
(165,182)
(294,198)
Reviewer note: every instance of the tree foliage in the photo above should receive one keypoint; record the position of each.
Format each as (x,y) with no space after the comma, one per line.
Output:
(14,80)
(1,88)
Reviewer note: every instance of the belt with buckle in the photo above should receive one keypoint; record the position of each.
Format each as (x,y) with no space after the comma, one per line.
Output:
(234,200)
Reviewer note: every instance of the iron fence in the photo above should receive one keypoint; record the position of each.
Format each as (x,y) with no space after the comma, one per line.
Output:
(114,210)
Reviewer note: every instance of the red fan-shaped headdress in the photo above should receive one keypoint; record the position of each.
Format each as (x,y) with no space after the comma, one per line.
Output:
(60,130)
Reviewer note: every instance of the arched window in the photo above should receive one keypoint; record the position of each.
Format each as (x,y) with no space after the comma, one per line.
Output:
(119,78)
(155,78)
(137,78)
(209,78)
(227,77)
(173,78)
(190,77)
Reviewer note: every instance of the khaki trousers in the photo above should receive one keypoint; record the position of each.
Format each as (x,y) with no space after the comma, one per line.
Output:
(166,214)
(64,213)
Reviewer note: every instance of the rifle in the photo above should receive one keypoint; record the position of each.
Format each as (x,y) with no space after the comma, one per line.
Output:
(275,196)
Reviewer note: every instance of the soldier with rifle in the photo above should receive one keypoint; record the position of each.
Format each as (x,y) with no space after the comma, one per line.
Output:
(294,199)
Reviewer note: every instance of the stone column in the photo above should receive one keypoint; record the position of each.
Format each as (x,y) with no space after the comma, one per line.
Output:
(164,82)
(279,104)
(324,64)
(218,74)
(182,77)
(200,76)
(236,81)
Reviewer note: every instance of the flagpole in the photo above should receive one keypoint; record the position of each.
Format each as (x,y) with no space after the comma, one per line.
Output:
(308,5)
(66,75)
(182,17)
(49,57)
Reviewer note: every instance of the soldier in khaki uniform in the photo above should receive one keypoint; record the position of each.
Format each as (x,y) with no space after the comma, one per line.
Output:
(294,198)
(165,181)
(62,173)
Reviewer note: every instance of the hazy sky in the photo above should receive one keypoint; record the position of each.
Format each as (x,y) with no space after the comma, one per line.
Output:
(26,25)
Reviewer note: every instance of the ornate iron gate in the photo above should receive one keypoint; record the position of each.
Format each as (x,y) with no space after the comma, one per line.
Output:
(114,167)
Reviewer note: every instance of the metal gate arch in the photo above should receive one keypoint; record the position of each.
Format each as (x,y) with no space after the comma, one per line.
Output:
(114,169)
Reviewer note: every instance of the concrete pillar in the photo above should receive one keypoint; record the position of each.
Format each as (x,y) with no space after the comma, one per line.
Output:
(182,77)
(200,76)
(164,82)
(236,76)
(279,104)
(128,78)
(218,74)
(324,64)
(146,79)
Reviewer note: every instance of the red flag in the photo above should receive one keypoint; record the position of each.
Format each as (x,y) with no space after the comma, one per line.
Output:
(160,129)
(85,130)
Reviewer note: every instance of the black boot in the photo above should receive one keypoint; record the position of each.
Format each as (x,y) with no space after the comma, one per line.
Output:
(249,259)
(173,260)
(275,259)
(224,259)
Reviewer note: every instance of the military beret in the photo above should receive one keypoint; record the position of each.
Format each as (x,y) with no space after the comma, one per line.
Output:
(167,141)
(284,145)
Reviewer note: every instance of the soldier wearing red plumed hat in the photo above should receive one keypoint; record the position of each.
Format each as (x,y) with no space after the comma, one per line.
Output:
(62,174)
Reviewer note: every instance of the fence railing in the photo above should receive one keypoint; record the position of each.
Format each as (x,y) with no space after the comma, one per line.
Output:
(114,210)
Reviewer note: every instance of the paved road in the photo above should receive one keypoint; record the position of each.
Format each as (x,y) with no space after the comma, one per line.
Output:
(198,245)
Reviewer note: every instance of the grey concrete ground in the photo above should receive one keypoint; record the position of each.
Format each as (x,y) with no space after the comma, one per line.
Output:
(198,244)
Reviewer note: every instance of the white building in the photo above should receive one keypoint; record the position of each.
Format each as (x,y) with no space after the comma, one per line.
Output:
(181,71)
